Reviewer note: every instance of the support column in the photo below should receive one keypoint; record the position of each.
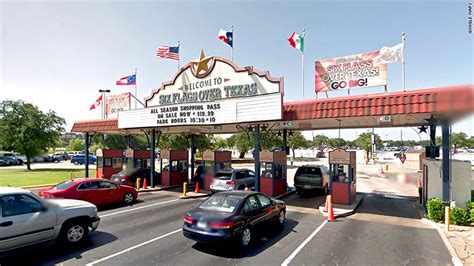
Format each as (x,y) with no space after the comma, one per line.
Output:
(86,148)
(285,144)
(152,158)
(257,157)
(432,139)
(446,167)
(193,151)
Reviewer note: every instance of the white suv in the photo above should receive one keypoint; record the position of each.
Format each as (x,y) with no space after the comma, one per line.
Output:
(27,219)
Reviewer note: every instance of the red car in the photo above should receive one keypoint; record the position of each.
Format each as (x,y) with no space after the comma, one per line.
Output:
(94,190)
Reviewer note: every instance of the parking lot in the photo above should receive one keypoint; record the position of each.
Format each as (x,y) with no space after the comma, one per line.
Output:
(149,232)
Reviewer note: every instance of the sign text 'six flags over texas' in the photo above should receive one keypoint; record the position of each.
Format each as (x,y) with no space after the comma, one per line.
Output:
(353,71)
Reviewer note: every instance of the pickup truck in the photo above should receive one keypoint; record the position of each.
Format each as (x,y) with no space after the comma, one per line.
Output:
(27,219)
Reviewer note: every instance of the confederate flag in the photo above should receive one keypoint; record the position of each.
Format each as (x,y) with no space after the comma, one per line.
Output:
(128,80)
(97,103)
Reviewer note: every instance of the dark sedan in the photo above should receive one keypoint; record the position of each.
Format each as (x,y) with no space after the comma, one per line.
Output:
(233,216)
(129,177)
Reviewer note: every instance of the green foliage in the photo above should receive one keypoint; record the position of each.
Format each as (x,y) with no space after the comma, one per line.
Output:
(320,141)
(297,141)
(458,216)
(364,141)
(435,208)
(337,142)
(243,143)
(220,143)
(27,130)
(470,211)
(75,145)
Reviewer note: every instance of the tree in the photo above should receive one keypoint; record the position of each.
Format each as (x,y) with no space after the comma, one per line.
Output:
(220,143)
(320,140)
(296,141)
(75,145)
(28,130)
(365,141)
(459,140)
(336,142)
(243,143)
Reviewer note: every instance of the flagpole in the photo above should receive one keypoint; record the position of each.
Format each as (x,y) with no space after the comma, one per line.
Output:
(302,67)
(232,47)
(178,53)
(136,89)
(403,62)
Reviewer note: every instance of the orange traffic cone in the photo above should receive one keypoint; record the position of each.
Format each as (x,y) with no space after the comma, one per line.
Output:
(326,204)
(144,183)
(197,188)
(331,217)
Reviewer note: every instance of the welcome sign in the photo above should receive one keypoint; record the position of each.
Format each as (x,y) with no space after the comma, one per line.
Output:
(210,90)
(353,71)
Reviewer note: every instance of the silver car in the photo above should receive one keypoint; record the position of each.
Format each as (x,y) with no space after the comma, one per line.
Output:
(27,219)
(234,179)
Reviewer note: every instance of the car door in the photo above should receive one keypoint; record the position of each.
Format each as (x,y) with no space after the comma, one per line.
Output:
(252,210)
(24,220)
(88,191)
(110,192)
(250,178)
(266,207)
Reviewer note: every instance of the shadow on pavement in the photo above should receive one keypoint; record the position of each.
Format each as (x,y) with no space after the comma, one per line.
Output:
(261,241)
(53,253)
(390,205)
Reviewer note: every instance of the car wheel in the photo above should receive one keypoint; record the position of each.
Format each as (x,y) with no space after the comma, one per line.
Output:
(128,198)
(245,237)
(74,232)
(76,163)
(242,187)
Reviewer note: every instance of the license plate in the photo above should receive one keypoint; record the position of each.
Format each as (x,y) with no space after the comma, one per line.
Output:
(307,186)
(201,225)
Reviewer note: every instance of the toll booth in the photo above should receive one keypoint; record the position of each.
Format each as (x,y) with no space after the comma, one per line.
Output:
(109,162)
(137,158)
(213,161)
(174,167)
(342,182)
(273,177)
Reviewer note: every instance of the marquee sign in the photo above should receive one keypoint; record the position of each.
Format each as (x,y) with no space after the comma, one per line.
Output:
(353,71)
(210,91)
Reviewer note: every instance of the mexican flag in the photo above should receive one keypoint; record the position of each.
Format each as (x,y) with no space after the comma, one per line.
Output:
(297,41)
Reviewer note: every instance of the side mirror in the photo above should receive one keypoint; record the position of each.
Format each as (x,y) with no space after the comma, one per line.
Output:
(44,208)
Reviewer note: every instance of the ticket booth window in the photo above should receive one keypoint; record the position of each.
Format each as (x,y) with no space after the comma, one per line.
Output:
(166,164)
(107,162)
(117,163)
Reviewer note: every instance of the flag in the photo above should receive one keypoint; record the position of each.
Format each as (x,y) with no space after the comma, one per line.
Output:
(227,37)
(129,80)
(392,54)
(97,103)
(168,52)
(297,41)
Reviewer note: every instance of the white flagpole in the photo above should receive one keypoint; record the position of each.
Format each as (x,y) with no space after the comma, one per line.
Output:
(302,67)
(232,47)
(136,89)
(403,62)
(178,53)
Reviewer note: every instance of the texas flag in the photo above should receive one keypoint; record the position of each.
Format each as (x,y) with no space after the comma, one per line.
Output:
(227,37)
(129,80)
(97,103)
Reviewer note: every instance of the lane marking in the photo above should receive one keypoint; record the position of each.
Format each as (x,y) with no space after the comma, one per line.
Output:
(306,241)
(138,208)
(132,248)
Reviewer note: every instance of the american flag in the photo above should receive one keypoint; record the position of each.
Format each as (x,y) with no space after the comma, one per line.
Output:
(168,52)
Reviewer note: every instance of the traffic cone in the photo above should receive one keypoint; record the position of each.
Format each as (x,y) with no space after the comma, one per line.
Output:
(326,204)
(144,183)
(331,217)
(197,188)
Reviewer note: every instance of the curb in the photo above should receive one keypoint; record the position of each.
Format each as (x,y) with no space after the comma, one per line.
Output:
(342,215)
(200,195)
(157,189)
(454,256)
(286,194)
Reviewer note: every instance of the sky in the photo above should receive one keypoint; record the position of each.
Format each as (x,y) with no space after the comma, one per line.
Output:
(57,55)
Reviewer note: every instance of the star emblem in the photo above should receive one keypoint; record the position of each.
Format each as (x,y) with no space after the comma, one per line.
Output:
(201,65)
(423,128)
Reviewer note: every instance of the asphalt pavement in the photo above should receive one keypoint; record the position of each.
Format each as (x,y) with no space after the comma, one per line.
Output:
(148,233)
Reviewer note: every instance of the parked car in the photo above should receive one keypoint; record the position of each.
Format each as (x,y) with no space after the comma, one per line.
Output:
(129,177)
(3,162)
(42,159)
(320,154)
(233,179)
(9,160)
(60,156)
(311,177)
(13,156)
(81,159)
(233,216)
(28,219)
(94,190)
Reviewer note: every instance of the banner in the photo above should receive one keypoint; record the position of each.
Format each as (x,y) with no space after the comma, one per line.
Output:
(116,103)
(353,71)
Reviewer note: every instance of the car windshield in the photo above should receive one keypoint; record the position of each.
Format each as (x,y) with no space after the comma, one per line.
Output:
(64,185)
(222,203)
(309,171)
(223,175)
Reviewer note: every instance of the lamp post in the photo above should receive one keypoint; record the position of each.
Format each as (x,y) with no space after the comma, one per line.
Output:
(103,102)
